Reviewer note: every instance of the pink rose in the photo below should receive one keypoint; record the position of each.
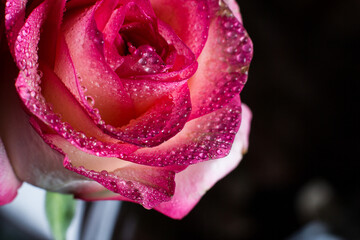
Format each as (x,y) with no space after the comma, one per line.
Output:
(132,100)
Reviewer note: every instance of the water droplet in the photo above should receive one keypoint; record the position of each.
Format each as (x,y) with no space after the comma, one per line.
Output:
(104,173)
(83,88)
(8,16)
(247,47)
(149,61)
(90,100)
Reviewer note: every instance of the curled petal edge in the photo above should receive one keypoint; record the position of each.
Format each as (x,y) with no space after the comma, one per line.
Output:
(194,181)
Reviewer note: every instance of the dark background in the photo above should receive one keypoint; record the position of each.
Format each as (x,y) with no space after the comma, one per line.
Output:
(304,144)
(303,161)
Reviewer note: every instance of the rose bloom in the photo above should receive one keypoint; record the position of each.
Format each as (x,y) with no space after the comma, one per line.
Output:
(132,100)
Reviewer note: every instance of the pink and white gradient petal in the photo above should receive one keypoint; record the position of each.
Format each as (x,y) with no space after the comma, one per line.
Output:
(193,182)
(8,180)
(234,7)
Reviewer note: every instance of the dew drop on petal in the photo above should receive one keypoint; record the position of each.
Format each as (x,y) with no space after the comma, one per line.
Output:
(90,100)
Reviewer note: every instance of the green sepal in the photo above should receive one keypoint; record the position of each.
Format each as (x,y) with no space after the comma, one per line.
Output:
(60,210)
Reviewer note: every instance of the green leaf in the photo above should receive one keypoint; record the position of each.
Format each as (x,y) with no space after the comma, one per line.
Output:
(60,210)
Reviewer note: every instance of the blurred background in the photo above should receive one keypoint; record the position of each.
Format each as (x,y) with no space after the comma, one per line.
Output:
(300,178)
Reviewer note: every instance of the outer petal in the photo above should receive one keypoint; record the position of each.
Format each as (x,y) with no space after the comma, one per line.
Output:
(145,185)
(8,181)
(193,182)
(223,63)
(14,20)
(207,137)
(234,7)
(32,159)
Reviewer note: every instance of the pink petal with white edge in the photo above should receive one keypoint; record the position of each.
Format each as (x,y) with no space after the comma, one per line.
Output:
(207,137)
(74,117)
(145,185)
(234,7)
(196,180)
(65,104)
(14,20)
(8,181)
(223,63)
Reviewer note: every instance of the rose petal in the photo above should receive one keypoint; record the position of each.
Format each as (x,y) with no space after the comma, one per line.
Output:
(145,130)
(103,12)
(182,67)
(193,182)
(26,57)
(50,31)
(131,132)
(31,158)
(234,7)
(145,185)
(194,25)
(145,5)
(8,180)
(207,137)
(171,38)
(113,42)
(144,93)
(79,4)
(159,123)
(223,63)
(14,20)
(28,87)
(246,117)
(185,62)
(68,107)
(196,180)
(65,69)
(130,12)
(103,86)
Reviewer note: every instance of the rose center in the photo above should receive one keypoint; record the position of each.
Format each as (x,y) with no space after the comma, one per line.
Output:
(142,50)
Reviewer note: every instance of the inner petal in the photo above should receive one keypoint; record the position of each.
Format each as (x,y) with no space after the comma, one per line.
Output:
(97,80)
(194,24)
(146,47)
(143,60)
